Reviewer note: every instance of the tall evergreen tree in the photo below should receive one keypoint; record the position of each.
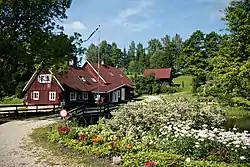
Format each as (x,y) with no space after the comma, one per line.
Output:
(131,57)
(193,59)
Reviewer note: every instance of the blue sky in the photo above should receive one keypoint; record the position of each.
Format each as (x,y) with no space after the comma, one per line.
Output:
(141,20)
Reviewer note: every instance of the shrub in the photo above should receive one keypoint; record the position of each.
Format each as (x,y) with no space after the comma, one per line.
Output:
(138,118)
(147,85)
(161,159)
(168,89)
(241,101)
(195,85)
(167,132)
(11,100)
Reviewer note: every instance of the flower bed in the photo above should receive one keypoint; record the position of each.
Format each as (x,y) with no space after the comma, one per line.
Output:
(166,132)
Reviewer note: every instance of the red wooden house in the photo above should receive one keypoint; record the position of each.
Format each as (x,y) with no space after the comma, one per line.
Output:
(164,74)
(79,85)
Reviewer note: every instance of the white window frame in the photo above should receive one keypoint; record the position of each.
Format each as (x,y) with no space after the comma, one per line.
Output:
(85,95)
(44,76)
(33,95)
(72,96)
(52,96)
(118,93)
(96,97)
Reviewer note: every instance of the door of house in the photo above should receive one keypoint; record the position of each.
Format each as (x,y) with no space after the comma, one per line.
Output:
(114,96)
(123,94)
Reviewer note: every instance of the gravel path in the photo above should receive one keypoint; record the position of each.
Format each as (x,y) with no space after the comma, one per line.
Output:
(13,135)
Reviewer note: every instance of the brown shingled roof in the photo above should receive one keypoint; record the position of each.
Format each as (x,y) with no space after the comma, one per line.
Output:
(114,77)
(72,80)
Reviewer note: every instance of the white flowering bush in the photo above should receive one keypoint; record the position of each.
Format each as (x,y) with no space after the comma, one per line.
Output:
(137,118)
(180,131)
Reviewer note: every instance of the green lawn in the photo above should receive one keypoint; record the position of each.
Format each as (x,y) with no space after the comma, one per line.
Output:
(187,80)
(237,112)
(231,112)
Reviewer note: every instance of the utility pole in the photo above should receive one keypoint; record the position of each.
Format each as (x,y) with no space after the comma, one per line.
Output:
(99,40)
(98,64)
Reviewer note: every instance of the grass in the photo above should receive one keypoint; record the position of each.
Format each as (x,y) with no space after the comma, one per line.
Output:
(186,79)
(11,100)
(57,154)
(231,112)
(237,112)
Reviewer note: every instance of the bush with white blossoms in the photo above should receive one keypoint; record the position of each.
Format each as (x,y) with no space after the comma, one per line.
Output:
(188,127)
(180,131)
(137,118)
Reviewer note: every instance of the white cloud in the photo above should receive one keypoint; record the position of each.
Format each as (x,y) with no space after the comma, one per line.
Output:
(75,25)
(133,11)
(141,9)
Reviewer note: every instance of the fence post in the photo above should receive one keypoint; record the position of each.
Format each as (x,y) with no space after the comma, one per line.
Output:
(100,109)
(16,110)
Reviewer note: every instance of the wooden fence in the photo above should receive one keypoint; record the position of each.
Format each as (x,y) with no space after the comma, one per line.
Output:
(86,115)
(19,109)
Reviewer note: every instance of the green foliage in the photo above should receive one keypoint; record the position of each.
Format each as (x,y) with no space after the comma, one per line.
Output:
(151,85)
(241,101)
(160,54)
(26,43)
(11,100)
(185,82)
(150,116)
(138,133)
(162,159)
(231,65)
(168,89)
(195,85)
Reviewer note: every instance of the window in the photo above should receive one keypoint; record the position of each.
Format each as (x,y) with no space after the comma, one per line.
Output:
(72,96)
(96,96)
(110,73)
(52,96)
(44,78)
(118,93)
(93,79)
(35,95)
(85,95)
(82,78)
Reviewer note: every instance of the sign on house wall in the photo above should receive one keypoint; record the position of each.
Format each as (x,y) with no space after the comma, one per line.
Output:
(44,78)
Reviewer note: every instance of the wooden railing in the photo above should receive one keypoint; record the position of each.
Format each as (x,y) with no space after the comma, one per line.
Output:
(27,108)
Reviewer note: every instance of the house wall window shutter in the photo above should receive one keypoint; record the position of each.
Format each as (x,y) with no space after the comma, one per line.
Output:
(118,93)
(73,96)
(85,95)
(35,95)
(52,96)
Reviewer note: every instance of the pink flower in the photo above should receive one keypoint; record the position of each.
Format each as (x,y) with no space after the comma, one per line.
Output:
(150,163)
